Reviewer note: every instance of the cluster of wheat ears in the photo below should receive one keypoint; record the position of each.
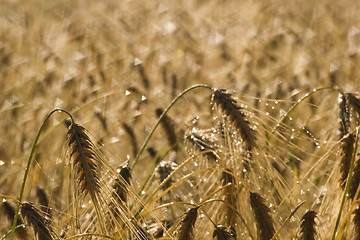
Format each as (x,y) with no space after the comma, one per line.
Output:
(228,172)
(179,119)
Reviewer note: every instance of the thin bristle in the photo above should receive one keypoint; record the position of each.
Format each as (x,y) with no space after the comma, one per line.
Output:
(344,116)
(220,233)
(37,220)
(307,226)
(85,162)
(236,116)
(263,219)
(10,212)
(169,127)
(347,149)
(187,225)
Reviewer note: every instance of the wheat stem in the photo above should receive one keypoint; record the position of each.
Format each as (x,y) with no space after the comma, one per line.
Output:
(28,165)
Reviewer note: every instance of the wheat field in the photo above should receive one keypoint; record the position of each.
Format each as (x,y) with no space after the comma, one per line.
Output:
(179,119)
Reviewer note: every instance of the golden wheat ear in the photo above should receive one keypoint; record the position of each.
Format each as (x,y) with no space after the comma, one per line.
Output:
(347,150)
(86,163)
(220,233)
(187,225)
(38,221)
(202,143)
(264,222)
(235,114)
(122,184)
(307,226)
(344,116)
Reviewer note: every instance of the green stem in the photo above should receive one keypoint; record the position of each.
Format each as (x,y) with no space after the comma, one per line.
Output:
(161,117)
(347,185)
(28,167)
(9,232)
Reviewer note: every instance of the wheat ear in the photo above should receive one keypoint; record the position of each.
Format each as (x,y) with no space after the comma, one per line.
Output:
(307,226)
(188,224)
(347,149)
(86,163)
(356,221)
(344,115)
(37,220)
(220,233)
(228,104)
(202,143)
(264,222)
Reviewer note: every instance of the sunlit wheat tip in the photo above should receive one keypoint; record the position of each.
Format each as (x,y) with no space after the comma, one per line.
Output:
(235,114)
(347,149)
(344,116)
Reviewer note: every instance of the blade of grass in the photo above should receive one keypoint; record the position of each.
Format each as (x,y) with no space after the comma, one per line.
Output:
(28,166)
